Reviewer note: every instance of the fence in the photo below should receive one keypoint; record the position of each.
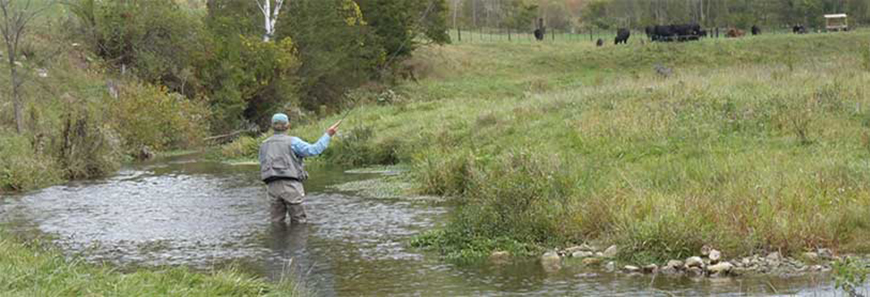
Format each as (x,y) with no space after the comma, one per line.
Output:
(484,35)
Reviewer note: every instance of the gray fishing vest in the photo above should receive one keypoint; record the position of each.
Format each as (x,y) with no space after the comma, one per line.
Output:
(278,161)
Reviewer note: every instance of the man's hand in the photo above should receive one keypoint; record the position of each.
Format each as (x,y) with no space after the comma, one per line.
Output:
(332,129)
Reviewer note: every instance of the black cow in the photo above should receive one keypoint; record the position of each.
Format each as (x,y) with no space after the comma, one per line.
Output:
(756,30)
(799,29)
(675,32)
(539,34)
(600,42)
(622,36)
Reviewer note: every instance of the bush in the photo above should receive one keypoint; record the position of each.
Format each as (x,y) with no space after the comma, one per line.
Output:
(22,168)
(149,116)
(157,39)
(87,148)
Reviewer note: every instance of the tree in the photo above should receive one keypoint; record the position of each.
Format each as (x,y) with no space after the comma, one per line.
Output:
(17,17)
(270,16)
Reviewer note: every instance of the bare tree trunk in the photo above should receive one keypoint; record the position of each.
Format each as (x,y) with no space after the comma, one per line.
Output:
(16,90)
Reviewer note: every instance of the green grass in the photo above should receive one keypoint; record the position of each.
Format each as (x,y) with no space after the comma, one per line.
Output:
(752,144)
(27,268)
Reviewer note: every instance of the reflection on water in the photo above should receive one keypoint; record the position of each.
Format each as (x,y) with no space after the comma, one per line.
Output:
(182,211)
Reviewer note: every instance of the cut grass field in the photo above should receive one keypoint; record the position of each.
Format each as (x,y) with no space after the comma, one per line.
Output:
(27,268)
(750,145)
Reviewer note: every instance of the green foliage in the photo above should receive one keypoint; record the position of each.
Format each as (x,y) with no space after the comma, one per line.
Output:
(156,39)
(337,50)
(245,78)
(149,116)
(399,23)
(865,58)
(521,16)
(88,147)
(33,269)
(358,149)
(850,274)
(22,167)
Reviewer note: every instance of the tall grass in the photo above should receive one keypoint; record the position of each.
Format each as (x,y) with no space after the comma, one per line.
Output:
(752,144)
(30,269)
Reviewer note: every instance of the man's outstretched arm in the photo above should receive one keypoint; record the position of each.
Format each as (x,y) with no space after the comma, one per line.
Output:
(304,149)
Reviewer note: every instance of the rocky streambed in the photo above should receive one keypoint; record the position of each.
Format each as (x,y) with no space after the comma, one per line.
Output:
(709,262)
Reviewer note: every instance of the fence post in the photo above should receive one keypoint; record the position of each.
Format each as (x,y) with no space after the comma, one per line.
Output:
(509,34)
(459,33)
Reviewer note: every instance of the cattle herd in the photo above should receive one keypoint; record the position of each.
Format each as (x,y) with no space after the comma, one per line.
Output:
(687,32)
(667,33)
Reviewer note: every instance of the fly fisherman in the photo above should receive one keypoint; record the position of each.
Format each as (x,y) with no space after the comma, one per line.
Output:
(283,171)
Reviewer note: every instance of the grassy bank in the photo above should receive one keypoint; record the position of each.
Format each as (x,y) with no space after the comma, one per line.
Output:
(749,145)
(30,269)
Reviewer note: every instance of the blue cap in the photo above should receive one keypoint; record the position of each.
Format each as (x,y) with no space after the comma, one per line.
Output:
(280,118)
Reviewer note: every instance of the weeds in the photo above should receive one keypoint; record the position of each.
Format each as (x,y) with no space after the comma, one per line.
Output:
(33,269)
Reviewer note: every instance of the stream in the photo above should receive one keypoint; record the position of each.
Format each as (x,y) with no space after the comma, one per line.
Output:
(186,211)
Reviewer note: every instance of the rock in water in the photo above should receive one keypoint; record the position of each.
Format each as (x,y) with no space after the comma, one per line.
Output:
(652,268)
(582,254)
(694,262)
(631,269)
(675,264)
(610,266)
(825,254)
(499,256)
(592,261)
(550,258)
(720,268)
(145,153)
(775,256)
(610,252)
(714,256)
(705,250)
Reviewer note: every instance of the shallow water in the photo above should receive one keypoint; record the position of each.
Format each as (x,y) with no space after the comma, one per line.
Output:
(181,211)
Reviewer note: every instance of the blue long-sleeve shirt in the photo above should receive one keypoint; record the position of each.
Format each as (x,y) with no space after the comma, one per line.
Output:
(305,150)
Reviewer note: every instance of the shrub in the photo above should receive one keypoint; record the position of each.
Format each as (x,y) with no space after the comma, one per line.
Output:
(87,147)
(147,115)
(21,168)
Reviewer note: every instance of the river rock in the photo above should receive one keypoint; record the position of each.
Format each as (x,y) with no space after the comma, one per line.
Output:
(550,258)
(573,249)
(825,254)
(610,252)
(810,256)
(610,266)
(714,256)
(694,262)
(652,268)
(499,256)
(775,256)
(582,254)
(720,268)
(631,269)
(592,261)
(675,264)
(695,271)
(705,250)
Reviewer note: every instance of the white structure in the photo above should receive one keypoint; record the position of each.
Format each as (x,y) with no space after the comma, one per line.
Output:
(836,22)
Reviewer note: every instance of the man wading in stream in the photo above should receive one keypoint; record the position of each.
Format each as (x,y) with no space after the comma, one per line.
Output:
(282,169)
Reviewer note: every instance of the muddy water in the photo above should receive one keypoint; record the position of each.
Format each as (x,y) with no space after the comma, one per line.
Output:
(181,211)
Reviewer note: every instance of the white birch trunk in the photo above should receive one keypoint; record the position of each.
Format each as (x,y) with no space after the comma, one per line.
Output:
(270,17)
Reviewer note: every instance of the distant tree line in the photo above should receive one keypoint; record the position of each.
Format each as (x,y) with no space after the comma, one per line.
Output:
(609,14)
